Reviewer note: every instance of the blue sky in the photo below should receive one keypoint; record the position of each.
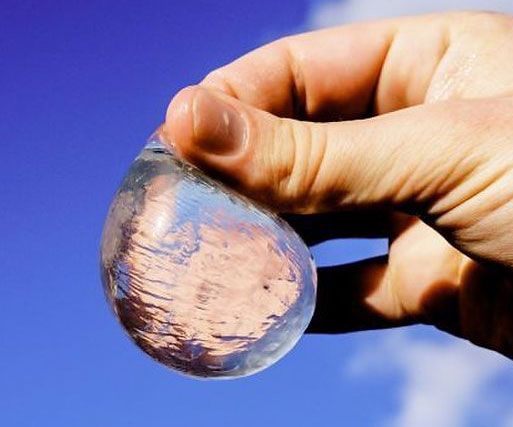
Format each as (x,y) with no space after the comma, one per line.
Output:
(82,85)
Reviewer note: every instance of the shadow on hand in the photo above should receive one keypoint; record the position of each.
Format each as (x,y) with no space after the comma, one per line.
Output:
(341,299)
(479,308)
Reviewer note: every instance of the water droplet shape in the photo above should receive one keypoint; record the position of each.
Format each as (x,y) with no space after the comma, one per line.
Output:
(203,280)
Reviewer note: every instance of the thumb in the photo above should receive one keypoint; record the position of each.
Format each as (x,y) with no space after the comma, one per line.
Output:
(415,160)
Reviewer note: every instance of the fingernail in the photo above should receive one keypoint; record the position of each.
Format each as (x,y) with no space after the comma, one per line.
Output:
(218,127)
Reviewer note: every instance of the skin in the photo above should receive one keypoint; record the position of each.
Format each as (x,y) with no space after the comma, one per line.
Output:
(400,128)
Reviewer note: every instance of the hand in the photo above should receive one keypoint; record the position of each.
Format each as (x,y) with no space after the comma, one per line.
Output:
(401,128)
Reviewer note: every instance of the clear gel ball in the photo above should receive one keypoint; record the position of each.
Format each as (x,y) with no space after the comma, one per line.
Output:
(202,279)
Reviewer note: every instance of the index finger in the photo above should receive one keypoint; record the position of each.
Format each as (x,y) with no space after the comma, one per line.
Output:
(339,73)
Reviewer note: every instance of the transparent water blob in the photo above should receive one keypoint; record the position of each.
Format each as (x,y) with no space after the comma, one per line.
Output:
(202,279)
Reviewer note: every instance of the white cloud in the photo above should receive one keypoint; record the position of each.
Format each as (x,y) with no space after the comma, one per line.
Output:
(327,13)
(509,421)
(444,384)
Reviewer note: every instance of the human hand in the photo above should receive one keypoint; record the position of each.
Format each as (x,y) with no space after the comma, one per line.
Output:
(400,128)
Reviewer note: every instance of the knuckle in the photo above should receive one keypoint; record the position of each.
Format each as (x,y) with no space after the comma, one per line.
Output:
(295,161)
(282,160)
